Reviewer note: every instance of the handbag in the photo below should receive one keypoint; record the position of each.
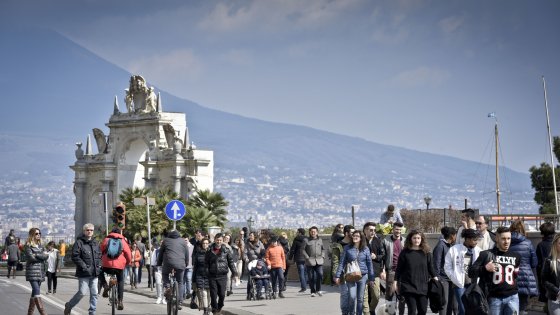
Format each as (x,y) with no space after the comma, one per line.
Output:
(19,266)
(353,272)
(193,304)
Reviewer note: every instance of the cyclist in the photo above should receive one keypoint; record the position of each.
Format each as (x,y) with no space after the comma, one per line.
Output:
(115,265)
(173,254)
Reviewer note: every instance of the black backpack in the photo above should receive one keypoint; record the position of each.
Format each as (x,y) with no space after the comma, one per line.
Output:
(474,300)
(436,295)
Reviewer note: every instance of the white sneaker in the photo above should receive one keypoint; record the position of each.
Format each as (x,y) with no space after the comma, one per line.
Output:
(158,301)
(319,293)
(312,294)
(163,301)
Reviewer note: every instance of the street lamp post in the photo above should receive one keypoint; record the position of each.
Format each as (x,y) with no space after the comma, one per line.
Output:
(250,222)
(427,200)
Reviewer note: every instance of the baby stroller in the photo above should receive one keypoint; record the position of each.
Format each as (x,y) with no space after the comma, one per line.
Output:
(259,280)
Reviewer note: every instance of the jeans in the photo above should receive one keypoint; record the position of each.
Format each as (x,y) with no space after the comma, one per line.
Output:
(302,275)
(277,275)
(458,294)
(504,306)
(133,275)
(85,285)
(35,288)
(355,298)
(178,277)
(315,276)
(187,281)
(345,303)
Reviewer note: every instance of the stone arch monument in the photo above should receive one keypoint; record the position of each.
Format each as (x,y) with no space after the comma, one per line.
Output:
(146,148)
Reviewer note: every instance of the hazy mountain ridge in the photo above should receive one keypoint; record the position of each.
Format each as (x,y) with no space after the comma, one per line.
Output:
(61,91)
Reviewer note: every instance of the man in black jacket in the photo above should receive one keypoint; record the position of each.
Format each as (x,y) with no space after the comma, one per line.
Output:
(218,259)
(86,255)
(173,254)
(297,256)
(373,293)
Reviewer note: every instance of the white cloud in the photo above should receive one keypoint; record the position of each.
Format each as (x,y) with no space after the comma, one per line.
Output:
(421,76)
(172,69)
(451,24)
(275,15)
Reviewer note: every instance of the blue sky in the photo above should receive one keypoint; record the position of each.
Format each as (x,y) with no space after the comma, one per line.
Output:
(416,74)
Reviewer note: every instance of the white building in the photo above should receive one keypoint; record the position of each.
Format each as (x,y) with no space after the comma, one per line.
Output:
(145,148)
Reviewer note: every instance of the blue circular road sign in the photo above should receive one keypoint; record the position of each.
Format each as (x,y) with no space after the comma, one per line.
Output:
(175,210)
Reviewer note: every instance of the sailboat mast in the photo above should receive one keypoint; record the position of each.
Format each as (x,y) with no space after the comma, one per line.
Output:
(497,168)
(550,146)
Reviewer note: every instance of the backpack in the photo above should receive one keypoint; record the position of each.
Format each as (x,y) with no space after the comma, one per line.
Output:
(474,300)
(114,247)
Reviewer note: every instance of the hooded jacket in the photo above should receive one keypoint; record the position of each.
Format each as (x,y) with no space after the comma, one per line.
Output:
(173,253)
(86,255)
(296,250)
(122,260)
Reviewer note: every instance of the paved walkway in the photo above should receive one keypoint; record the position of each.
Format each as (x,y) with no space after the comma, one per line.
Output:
(294,303)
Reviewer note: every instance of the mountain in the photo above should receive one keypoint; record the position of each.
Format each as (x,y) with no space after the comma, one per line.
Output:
(55,92)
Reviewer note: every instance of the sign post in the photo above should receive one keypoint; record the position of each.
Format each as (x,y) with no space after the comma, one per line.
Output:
(175,210)
(150,202)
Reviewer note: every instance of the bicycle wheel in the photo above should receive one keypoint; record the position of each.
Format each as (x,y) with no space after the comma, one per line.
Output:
(169,305)
(175,298)
(113,299)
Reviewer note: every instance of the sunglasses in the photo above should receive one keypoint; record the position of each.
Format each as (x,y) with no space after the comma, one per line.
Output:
(38,233)
(89,230)
(478,223)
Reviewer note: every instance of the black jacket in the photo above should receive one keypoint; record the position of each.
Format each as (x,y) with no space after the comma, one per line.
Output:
(218,263)
(35,263)
(86,254)
(551,280)
(375,246)
(296,250)
(173,253)
(200,270)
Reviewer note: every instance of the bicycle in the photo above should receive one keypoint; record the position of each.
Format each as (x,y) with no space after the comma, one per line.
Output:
(173,299)
(113,294)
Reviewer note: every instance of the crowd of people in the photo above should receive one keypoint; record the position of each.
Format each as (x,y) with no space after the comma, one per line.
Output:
(364,265)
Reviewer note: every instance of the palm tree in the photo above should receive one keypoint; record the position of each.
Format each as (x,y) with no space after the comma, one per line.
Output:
(197,218)
(213,202)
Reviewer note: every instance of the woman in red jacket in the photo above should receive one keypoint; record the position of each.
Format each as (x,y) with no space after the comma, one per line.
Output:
(115,265)
(134,264)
